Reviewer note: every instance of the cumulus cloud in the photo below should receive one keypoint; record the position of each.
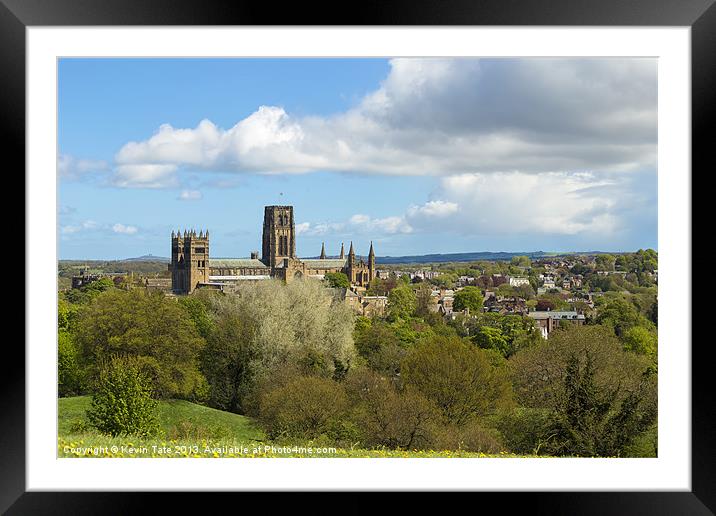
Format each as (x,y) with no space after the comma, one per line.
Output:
(515,203)
(435,117)
(145,175)
(69,167)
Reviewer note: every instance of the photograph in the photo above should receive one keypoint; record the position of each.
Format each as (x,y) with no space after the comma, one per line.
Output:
(409,250)
(357,257)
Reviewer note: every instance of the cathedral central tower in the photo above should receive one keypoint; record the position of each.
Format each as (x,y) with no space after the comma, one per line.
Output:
(279,235)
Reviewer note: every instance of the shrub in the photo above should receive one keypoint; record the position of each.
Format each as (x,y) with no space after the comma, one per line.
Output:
(387,417)
(471,437)
(122,403)
(523,430)
(185,429)
(304,407)
(79,426)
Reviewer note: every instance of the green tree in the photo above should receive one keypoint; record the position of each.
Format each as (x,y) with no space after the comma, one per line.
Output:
(640,340)
(376,287)
(551,302)
(521,261)
(619,314)
(605,262)
(538,372)
(149,326)
(88,292)
(424,295)
(67,314)
(468,298)
(458,377)
(503,333)
(446,280)
(197,306)
(401,303)
(386,416)
(488,337)
(227,359)
(590,421)
(122,403)
(337,280)
(70,375)
(269,327)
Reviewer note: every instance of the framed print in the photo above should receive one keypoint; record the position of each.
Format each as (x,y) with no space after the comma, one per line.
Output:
(415,250)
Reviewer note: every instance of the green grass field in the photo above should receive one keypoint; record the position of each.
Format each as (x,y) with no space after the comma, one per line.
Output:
(177,419)
(191,430)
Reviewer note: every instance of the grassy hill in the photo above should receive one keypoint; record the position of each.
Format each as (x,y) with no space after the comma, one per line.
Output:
(191,430)
(178,419)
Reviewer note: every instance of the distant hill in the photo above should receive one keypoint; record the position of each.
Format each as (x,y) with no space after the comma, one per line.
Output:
(472,257)
(147,258)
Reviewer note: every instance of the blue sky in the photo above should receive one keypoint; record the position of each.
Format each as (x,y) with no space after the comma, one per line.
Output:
(417,155)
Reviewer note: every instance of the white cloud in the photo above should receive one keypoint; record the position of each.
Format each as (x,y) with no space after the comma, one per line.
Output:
(356,224)
(69,167)
(97,229)
(548,203)
(69,229)
(145,176)
(435,117)
(303,228)
(433,209)
(82,226)
(481,204)
(386,225)
(190,195)
(121,228)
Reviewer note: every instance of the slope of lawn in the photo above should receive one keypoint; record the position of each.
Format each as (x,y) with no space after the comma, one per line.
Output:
(177,418)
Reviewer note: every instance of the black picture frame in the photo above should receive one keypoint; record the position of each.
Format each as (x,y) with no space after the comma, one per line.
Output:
(700,15)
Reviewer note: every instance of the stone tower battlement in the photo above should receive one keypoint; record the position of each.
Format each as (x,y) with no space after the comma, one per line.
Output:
(279,235)
(190,260)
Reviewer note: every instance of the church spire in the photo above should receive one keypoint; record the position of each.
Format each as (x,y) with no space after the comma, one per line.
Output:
(343,254)
(371,253)
(323,251)
(351,256)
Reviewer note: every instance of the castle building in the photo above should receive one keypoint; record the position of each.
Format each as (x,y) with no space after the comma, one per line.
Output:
(192,268)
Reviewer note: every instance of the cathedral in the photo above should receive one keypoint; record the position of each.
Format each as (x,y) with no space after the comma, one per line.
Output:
(191,267)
